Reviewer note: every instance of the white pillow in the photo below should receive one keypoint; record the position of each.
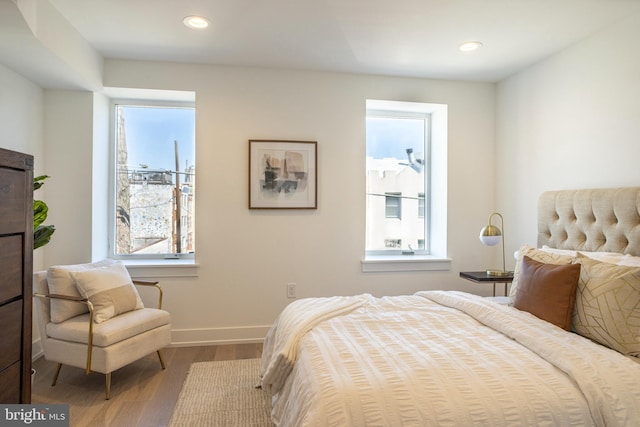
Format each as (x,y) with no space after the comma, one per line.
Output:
(629,260)
(109,289)
(567,252)
(610,257)
(60,282)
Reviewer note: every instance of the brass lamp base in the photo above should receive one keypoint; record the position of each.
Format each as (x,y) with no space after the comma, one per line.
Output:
(498,273)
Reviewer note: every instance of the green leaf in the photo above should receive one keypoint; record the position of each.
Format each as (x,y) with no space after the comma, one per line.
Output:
(40,212)
(42,235)
(38,181)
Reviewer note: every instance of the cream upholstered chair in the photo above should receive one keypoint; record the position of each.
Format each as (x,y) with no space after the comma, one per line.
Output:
(92,317)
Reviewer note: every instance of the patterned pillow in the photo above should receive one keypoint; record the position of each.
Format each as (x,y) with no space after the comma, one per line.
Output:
(608,305)
(109,289)
(537,255)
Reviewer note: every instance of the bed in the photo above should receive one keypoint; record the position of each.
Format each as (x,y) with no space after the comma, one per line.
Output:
(564,351)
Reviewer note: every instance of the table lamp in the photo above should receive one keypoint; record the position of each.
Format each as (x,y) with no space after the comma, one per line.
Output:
(491,235)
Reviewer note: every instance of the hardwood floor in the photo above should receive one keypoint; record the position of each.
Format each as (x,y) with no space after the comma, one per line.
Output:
(142,394)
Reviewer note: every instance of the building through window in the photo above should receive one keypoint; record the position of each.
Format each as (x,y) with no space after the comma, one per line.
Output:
(397,179)
(154,168)
(393,205)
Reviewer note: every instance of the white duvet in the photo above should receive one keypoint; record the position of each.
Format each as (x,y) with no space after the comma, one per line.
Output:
(442,359)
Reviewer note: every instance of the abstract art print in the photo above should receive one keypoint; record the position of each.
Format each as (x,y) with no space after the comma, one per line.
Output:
(282,174)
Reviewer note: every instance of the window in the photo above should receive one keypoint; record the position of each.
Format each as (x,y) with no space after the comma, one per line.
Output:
(406,187)
(393,205)
(397,170)
(154,181)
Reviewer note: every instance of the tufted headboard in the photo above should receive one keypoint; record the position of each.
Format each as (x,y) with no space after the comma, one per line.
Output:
(602,220)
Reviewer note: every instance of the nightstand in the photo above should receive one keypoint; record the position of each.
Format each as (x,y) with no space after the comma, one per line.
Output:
(483,277)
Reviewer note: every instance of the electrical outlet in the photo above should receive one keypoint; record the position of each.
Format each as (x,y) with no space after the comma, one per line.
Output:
(291,290)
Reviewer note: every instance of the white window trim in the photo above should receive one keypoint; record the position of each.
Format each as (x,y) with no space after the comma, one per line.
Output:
(149,265)
(380,263)
(437,259)
(146,268)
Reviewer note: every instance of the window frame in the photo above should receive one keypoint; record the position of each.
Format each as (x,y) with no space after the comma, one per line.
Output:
(394,110)
(112,165)
(437,192)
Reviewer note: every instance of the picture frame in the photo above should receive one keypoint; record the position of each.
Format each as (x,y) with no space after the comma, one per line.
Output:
(283,174)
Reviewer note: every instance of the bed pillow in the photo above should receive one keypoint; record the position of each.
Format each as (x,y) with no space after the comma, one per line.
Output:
(610,257)
(60,282)
(548,291)
(608,305)
(538,255)
(568,252)
(109,289)
(629,260)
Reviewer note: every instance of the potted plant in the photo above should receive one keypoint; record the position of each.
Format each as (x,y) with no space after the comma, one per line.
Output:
(41,233)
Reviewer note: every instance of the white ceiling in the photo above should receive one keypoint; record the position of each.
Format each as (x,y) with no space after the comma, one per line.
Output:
(400,37)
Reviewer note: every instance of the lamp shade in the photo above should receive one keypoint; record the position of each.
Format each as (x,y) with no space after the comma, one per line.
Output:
(490,235)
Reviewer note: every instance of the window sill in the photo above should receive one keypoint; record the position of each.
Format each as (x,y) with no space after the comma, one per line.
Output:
(150,268)
(372,264)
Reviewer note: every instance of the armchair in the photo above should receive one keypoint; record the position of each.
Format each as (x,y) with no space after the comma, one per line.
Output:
(96,329)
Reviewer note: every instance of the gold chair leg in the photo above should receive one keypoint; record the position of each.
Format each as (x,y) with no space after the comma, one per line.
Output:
(161,361)
(108,380)
(55,375)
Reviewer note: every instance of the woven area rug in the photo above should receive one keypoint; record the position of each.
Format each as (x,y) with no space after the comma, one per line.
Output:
(222,394)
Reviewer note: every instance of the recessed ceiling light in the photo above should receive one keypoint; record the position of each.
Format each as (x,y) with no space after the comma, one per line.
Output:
(196,22)
(469,46)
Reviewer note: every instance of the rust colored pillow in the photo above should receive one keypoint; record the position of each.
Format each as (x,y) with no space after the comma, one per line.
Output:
(548,291)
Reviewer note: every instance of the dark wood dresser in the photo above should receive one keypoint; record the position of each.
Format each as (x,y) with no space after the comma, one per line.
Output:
(16,270)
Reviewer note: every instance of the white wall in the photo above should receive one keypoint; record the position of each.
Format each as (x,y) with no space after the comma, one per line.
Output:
(21,121)
(571,121)
(68,129)
(20,114)
(247,257)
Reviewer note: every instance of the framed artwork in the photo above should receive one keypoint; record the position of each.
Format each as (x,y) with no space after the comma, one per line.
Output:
(283,174)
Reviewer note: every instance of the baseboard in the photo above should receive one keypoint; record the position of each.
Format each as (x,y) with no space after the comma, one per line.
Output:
(217,336)
(36,350)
